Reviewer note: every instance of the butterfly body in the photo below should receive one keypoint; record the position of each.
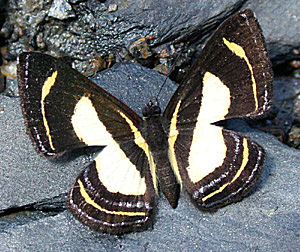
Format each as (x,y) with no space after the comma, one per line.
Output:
(180,148)
(155,133)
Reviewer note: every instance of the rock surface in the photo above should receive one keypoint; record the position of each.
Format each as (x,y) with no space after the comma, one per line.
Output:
(91,28)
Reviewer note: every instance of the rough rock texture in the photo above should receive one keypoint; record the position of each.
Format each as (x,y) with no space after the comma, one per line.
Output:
(94,29)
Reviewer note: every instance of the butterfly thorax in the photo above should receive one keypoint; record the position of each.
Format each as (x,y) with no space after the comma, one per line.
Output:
(155,134)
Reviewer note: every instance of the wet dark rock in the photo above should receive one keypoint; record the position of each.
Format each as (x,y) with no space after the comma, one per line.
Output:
(9,69)
(112,7)
(39,40)
(284,99)
(6,30)
(98,63)
(75,1)
(93,28)
(286,107)
(284,116)
(141,51)
(3,6)
(294,136)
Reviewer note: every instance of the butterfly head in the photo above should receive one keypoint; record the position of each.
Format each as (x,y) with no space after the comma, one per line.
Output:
(151,109)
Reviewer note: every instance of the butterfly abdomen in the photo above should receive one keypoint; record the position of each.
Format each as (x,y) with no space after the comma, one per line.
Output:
(156,137)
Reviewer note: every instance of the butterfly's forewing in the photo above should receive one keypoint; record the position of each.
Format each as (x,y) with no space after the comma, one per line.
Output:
(50,90)
(231,78)
(63,110)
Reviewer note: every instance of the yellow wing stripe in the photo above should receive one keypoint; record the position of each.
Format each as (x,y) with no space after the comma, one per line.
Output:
(88,200)
(173,134)
(239,51)
(45,91)
(140,141)
(244,163)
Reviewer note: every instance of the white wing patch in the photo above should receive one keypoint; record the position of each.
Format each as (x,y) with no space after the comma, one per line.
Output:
(117,173)
(115,170)
(208,149)
(87,125)
(215,101)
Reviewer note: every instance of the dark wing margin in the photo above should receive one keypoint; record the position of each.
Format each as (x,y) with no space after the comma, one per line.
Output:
(63,110)
(231,78)
(49,91)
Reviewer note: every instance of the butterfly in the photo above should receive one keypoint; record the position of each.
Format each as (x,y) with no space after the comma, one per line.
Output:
(179,148)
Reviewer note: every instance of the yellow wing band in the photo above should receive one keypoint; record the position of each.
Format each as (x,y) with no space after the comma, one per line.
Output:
(88,200)
(173,134)
(239,51)
(45,91)
(243,165)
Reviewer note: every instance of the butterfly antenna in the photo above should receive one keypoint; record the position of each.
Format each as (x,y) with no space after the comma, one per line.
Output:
(169,73)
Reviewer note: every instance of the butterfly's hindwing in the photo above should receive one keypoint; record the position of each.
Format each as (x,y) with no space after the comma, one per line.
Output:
(116,192)
(222,166)
(117,201)
(231,78)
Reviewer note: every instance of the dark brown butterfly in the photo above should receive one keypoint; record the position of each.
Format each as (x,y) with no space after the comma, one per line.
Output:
(180,148)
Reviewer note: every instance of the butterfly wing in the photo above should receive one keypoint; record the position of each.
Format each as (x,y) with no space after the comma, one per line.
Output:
(50,90)
(231,78)
(111,195)
(63,110)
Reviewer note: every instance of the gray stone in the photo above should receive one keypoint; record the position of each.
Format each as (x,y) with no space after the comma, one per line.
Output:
(27,177)
(11,88)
